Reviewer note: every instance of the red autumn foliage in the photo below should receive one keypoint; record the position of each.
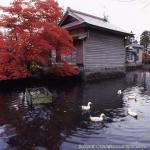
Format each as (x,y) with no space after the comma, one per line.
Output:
(32,32)
(63,70)
(10,67)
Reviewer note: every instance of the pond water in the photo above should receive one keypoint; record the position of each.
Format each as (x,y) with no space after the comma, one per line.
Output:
(63,125)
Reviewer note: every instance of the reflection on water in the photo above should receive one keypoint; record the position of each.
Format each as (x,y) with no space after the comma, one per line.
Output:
(62,124)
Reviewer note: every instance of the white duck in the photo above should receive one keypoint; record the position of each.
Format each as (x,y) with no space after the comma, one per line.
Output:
(119,92)
(86,107)
(132,97)
(132,113)
(98,119)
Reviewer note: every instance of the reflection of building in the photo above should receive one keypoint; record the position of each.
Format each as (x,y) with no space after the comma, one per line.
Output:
(134,54)
(100,45)
(138,78)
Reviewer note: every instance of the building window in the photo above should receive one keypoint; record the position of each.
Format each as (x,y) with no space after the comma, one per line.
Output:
(70,58)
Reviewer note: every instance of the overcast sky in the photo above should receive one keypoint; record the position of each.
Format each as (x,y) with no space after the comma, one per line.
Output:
(130,15)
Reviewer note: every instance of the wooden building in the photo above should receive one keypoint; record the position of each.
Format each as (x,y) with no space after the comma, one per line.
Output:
(100,45)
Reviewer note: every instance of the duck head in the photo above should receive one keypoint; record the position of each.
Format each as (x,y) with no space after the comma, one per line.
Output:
(103,115)
(89,103)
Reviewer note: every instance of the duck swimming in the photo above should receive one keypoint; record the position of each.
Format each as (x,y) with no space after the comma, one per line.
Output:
(98,119)
(132,113)
(86,107)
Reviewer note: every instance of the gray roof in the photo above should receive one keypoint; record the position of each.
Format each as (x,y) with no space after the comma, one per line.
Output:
(92,20)
(136,45)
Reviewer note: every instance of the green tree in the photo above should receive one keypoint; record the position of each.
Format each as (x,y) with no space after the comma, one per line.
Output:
(145,39)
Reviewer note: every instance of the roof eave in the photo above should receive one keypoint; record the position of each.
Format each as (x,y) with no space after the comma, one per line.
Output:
(69,13)
(73,26)
(109,30)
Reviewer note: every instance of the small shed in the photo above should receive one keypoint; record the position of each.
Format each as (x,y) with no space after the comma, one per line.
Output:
(100,45)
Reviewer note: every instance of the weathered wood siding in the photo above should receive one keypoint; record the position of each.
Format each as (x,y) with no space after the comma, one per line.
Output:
(103,51)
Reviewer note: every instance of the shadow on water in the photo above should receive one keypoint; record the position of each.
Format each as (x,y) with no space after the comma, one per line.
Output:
(62,124)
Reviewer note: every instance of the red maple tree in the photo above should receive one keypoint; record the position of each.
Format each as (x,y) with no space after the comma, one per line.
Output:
(32,32)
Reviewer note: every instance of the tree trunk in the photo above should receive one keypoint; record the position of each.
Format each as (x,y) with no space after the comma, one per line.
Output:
(58,57)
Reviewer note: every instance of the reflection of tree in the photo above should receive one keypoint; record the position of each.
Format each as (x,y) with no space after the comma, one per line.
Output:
(8,103)
(36,127)
(4,114)
(45,125)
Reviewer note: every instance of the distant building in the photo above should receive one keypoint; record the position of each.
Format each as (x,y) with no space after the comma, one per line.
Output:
(146,55)
(148,49)
(100,45)
(134,54)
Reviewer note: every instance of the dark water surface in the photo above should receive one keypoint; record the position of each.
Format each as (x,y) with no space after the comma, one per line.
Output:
(62,124)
